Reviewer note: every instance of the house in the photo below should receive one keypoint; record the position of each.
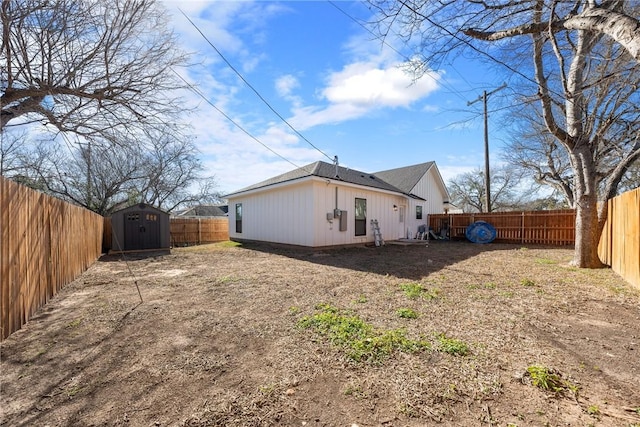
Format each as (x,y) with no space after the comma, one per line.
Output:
(140,228)
(200,211)
(321,205)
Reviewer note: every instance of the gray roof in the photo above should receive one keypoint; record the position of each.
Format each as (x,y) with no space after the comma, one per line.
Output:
(326,170)
(405,178)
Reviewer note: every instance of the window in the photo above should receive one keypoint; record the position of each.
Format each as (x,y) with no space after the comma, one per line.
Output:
(238,217)
(361,217)
(418,212)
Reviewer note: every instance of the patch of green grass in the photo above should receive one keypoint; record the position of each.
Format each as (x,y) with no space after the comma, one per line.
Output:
(545,261)
(293,310)
(593,410)
(74,390)
(452,346)
(550,380)
(354,390)
(267,389)
(74,324)
(361,299)
(416,290)
(359,340)
(527,282)
(489,285)
(228,244)
(507,294)
(224,280)
(407,313)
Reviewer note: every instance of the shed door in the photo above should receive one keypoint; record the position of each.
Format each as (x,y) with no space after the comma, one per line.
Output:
(141,231)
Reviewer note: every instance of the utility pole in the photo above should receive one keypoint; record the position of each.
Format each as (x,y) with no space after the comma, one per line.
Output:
(487,179)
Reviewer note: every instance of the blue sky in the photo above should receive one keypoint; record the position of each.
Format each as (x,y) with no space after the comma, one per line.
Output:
(343,91)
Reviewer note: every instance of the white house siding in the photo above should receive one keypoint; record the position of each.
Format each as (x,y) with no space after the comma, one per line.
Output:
(279,215)
(428,188)
(379,206)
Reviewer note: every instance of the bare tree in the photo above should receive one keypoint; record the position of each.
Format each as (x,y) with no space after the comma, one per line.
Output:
(91,67)
(172,175)
(467,190)
(570,47)
(11,149)
(102,176)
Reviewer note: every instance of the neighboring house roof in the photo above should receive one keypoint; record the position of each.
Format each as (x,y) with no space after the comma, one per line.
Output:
(326,170)
(205,210)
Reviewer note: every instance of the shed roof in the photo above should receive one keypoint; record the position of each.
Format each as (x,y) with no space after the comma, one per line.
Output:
(139,207)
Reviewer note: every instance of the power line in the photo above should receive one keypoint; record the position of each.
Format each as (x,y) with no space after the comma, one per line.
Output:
(253,89)
(201,95)
(384,41)
(469,44)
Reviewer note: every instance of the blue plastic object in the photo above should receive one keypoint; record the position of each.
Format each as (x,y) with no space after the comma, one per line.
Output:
(481,232)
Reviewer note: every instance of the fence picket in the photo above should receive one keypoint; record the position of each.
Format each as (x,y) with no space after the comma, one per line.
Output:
(46,243)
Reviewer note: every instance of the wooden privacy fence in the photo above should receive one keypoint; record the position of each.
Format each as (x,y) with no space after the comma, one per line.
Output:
(555,227)
(197,231)
(45,244)
(620,241)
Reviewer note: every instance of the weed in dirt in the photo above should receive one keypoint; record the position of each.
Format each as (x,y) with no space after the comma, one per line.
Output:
(361,299)
(293,310)
(354,390)
(73,324)
(267,389)
(74,390)
(527,282)
(225,280)
(416,290)
(593,410)
(452,346)
(545,261)
(407,313)
(550,380)
(358,339)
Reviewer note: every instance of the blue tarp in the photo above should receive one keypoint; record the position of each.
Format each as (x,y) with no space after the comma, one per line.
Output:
(481,232)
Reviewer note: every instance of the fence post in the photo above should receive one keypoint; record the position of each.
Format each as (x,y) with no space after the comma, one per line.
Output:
(522,229)
(199,232)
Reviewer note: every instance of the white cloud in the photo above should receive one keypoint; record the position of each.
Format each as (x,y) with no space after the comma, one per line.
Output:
(374,87)
(362,87)
(286,84)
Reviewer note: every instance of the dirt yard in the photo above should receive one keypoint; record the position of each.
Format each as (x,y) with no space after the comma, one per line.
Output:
(451,334)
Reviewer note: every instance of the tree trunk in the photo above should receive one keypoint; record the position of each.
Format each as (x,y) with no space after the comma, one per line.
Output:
(588,227)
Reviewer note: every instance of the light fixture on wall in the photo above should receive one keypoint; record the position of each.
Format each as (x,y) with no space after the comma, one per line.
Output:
(446,206)
(395,208)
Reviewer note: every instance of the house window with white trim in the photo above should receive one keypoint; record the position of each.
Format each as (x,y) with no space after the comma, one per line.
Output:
(361,217)
(418,212)
(238,217)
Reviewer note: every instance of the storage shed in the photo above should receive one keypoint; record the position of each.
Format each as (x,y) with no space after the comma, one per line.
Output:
(140,228)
